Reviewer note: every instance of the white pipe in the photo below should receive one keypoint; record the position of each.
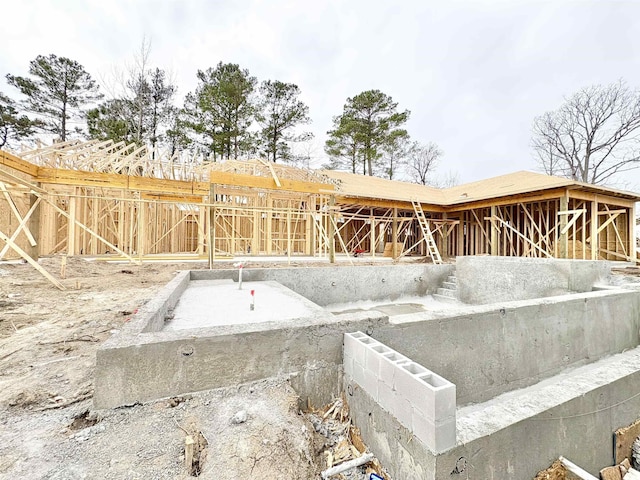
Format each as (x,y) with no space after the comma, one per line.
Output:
(239,265)
(343,467)
(573,468)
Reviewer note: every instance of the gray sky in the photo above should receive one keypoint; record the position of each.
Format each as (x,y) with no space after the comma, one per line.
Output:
(473,73)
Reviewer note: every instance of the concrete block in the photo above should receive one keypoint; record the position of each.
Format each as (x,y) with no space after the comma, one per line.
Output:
(352,345)
(388,366)
(360,355)
(370,384)
(403,411)
(445,435)
(445,402)
(358,373)
(437,436)
(373,357)
(408,386)
(386,396)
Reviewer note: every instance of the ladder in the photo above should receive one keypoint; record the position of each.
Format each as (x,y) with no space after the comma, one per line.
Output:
(426,232)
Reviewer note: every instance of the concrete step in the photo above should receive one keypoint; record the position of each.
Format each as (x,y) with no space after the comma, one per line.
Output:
(452,279)
(450,285)
(442,298)
(602,381)
(445,292)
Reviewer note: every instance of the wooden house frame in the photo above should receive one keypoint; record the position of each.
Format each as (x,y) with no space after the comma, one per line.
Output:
(96,198)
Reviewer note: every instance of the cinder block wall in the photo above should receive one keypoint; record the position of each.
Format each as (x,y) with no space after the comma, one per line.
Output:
(484,279)
(420,400)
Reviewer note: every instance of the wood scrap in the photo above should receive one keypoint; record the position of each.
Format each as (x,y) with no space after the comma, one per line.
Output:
(624,438)
(188,452)
(356,439)
(610,473)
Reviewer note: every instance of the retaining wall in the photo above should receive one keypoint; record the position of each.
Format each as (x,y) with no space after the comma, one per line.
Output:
(486,279)
(487,350)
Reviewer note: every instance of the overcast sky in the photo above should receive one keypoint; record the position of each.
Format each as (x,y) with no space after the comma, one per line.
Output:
(473,73)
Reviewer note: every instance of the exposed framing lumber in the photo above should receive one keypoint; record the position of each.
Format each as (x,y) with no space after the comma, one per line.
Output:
(30,260)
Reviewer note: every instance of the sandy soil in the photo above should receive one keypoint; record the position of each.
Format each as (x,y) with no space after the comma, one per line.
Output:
(48,430)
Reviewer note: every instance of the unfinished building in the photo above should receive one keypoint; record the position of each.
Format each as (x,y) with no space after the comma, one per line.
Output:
(538,357)
(99,198)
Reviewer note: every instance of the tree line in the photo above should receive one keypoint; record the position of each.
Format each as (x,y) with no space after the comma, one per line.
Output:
(591,137)
(229,115)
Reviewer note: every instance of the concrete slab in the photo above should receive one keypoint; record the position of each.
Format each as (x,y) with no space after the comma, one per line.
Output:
(210,303)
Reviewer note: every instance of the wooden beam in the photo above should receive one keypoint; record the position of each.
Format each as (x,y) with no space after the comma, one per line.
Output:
(17,163)
(21,226)
(30,260)
(537,247)
(88,230)
(332,231)
(494,231)
(266,183)
(562,220)
(212,222)
(631,222)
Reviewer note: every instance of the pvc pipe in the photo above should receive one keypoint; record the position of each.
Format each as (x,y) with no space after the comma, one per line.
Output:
(239,265)
(573,468)
(343,467)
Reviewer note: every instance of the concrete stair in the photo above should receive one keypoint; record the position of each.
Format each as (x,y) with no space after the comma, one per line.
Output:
(449,290)
(602,384)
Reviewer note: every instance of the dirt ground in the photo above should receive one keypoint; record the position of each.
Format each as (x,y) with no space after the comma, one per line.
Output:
(48,429)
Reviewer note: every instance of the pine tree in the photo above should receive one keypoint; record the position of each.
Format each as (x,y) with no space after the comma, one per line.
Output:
(221,110)
(279,111)
(13,126)
(57,90)
(370,121)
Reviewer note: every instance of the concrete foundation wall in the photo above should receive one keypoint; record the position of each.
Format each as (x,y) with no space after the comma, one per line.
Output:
(395,446)
(483,280)
(487,350)
(330,285)
(576,420)
(149,366)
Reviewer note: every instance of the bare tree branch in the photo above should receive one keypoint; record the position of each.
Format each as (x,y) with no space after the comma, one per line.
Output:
(592,136)
(422,161)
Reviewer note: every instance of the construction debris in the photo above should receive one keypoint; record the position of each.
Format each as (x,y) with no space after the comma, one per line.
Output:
(345,451)
(576,470)
(356,462)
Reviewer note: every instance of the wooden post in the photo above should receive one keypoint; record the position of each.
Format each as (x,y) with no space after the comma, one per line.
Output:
(563,239)
(461,225)
(332,231)
(212,224)
(308,227)
(494,231)
(34,227)
(394,234)
(372,232)
(631,221)
(269,226)
(289,234)
(142,229)
(71,225)
(444,251)
(201,229)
